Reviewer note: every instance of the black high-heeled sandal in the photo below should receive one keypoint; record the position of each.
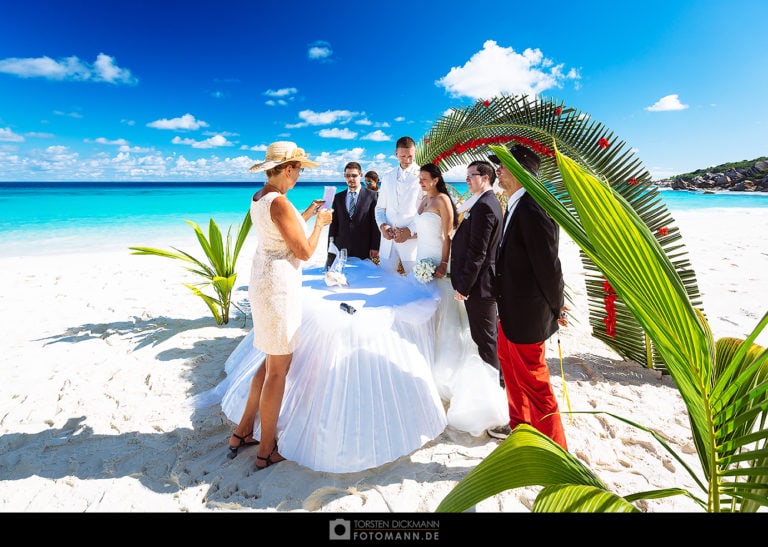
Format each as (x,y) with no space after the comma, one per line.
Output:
(268,459)
(233,449)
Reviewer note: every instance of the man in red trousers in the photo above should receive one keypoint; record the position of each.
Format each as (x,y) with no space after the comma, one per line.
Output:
(529,293)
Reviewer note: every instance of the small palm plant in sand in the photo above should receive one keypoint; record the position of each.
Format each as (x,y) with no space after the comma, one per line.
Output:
(218,272)
(723,383)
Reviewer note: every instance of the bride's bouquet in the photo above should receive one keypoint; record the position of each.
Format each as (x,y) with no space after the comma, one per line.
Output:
(424,270)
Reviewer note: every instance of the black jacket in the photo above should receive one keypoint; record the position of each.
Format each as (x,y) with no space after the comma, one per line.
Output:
(359,234)
(529,278)
(473,249)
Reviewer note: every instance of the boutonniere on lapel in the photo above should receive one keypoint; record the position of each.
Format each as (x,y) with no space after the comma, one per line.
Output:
(466,214)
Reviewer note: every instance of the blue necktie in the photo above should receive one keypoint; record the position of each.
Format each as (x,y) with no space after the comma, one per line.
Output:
(352,203)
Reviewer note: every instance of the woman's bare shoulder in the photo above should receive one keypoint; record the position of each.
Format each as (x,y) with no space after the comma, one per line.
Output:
(445,202)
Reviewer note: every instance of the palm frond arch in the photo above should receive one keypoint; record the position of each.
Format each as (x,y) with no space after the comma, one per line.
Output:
(463,135)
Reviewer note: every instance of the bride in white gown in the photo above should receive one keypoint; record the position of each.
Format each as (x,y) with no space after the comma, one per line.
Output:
(463,379)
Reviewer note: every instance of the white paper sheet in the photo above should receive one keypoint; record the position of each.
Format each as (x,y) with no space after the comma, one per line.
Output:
(328,194)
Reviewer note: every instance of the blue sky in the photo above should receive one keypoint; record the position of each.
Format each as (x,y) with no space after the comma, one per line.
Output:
(195,90)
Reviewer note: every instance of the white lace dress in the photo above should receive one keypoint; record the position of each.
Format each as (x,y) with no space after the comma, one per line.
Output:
(275,288)
(466,382)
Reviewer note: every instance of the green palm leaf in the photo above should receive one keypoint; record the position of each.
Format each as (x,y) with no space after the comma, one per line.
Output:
(525,458)
(465,135)
(568,498)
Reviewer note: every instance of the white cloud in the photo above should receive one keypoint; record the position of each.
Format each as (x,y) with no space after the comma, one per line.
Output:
(224,133)
(187,122)
(336,133)
(400,119)
(457,173)
(6,135)
(378,136)
(68,114)
(134,149)
(496,70)
(364,121)
(326,118)
(212,142)
(284,92)
(60,153)
(102,140)
(668,102)
(281,95)
(71,68)
(257,148)
(320,50)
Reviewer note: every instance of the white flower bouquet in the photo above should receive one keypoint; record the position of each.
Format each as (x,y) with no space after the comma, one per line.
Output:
(424,270)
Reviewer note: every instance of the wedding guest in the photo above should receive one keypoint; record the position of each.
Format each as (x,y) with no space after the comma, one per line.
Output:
(399,196)
(529,289)
(473,258)
(275,291)
(372,181)
(354,225)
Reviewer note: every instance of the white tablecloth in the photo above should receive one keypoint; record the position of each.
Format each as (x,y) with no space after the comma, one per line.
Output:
(360,391)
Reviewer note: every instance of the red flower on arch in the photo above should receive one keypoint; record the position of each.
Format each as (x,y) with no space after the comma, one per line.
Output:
(663,231)
(610,309)
(486,103)
(558,110)
(633,180)
(461,147)
(603,143)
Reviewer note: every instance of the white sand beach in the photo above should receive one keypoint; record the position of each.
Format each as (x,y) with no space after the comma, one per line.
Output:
(101,351)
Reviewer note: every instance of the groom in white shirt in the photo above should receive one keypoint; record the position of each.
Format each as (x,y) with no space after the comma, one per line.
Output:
(396,209)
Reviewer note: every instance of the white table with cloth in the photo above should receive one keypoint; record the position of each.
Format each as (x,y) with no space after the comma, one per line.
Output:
(360,391)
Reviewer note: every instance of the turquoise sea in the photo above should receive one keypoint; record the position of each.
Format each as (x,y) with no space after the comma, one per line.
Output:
(45,218)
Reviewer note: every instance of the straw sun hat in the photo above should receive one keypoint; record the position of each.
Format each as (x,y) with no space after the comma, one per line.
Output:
(283,152)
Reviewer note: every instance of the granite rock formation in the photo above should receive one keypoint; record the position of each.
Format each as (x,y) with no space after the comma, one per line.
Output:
(753,179)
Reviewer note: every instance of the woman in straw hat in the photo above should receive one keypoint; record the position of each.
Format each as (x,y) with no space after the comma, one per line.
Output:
(275,291)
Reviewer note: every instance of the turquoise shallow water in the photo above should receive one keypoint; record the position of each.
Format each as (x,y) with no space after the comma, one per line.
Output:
(40,218)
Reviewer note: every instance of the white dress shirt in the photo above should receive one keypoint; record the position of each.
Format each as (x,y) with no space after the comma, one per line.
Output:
(511,205)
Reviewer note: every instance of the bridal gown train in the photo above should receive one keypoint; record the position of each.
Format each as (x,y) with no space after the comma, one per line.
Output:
(359,392)
(467,383)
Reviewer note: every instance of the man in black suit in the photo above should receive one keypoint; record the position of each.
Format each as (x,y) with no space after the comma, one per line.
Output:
(354,225)
(473,257)
(529,292)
